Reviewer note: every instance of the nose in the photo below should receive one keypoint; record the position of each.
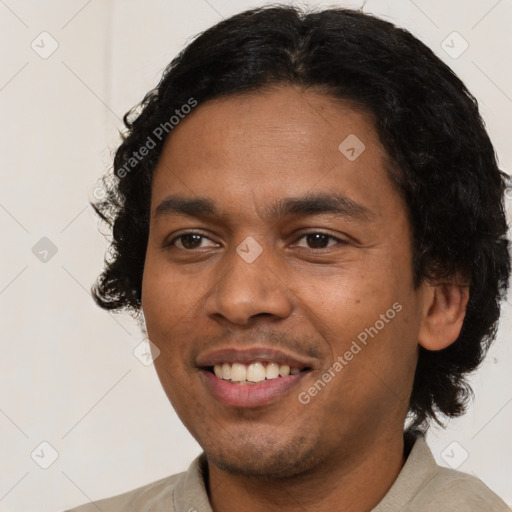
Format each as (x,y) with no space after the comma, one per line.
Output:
(249,290)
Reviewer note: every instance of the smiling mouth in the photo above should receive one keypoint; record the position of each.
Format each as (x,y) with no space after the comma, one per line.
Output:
(253,373)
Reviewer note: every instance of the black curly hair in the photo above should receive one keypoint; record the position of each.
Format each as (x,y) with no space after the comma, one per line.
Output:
(444,164)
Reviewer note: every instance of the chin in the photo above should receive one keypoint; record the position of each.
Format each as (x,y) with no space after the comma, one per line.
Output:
(272,458)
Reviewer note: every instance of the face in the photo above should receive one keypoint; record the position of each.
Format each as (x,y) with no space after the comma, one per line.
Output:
(278,245)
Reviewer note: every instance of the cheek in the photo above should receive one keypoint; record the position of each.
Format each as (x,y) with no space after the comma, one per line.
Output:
(369,320)
(168,311)
(344,304)
(167,293)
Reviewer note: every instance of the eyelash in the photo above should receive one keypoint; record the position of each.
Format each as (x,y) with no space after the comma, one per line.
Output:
(331,237)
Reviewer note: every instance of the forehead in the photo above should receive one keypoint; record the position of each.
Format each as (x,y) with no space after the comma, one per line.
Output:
(281,120)
(279,142)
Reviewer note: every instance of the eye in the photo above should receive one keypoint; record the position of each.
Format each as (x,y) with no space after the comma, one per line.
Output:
(315,241)
(319,240)
(189,241)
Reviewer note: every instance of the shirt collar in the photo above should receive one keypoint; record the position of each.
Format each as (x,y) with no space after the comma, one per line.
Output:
(190,492)
(419,468)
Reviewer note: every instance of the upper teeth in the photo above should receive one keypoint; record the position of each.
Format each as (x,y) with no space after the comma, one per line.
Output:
(254,372)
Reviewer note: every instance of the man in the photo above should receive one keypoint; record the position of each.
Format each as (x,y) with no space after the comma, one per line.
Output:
(308,213)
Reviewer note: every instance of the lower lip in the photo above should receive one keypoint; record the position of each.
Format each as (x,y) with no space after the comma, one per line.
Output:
(250,395)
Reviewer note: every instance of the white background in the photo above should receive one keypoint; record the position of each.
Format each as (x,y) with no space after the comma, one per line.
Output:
(68,375)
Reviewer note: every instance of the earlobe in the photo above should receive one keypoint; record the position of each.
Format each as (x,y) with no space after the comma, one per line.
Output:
(443,315)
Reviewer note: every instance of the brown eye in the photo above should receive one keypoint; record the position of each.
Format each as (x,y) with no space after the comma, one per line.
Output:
(318,240)
(190,241)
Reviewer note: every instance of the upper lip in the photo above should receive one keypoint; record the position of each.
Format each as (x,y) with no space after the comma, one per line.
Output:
(251,355)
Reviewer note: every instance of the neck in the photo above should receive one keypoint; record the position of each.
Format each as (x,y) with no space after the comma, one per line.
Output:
(349,481)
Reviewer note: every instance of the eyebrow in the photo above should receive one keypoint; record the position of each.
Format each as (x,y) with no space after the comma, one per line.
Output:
(312,204)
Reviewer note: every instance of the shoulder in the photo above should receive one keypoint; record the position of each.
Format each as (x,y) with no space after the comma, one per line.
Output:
(451,490)
(157,495)
(424,486)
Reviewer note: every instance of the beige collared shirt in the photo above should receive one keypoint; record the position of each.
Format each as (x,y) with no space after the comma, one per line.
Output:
(421,486)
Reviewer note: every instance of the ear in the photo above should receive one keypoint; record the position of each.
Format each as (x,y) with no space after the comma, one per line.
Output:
(443,313)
